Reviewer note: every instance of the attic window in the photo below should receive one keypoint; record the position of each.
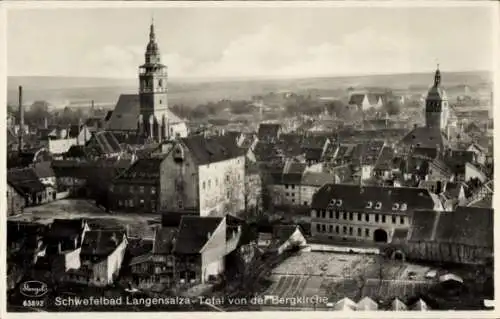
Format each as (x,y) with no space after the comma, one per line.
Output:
(403,207)
(395,206)
(369,205)
(378,205)
(332,202)
(339,202)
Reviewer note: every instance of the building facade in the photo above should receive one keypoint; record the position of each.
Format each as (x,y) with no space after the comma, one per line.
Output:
(366,213)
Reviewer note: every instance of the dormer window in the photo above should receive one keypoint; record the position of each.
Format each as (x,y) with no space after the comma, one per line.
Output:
(395,206)
(332,202)
(369,205)
(178,154)
(378,205)
(339,203)
(404,207)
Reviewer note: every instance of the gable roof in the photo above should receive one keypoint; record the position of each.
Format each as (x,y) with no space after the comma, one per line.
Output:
(143,170)
(66,228)
(316,178)
(356,99)
(101,242)
(358,198)
(194,232)
(25,179)
(426,137)
(385,160)
(103,143)
(268,131)
(212,149)
(465,225)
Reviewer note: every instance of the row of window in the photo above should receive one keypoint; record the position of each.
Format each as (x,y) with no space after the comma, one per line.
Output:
(134,189)
(130,203)
(360,216)
(208,184)
(323,228)
(370,205)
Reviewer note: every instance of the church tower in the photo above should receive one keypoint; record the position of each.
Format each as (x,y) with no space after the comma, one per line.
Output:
(152,92)
(436,105)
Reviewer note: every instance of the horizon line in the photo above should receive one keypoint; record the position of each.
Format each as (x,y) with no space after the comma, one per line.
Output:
(258,77)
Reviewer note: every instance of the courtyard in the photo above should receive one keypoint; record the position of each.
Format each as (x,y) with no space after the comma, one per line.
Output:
(336,275)
(137,225)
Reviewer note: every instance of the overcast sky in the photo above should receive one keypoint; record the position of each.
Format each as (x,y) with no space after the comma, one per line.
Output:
(249,42)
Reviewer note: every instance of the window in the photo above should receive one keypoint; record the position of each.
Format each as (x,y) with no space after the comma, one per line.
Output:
(395,206)
(131,203)
(180,204)
(393,219)
(141,201)
(209,184)
(331,228)
(293,186)
(305,203)
(376,218)
(111,188)
(153,190)
(383,218)
(203,185)
(287,194)
(131,189)
(331,214)
(286,186)
(369,205)
(344,230)
(227,178)
(378,205)
(293,200)
(350,231)
(367,232)
(313,213)
(401,220)
(323,214)
(318,227)
(351,216)
(403,207)
(337,230)
(216,182)
(293,194)
(228,194)
(120,203)
(323,228)
(141,189)
(359,231)
(339,203)
(367,217)
(360,216)
(153,205)
(344,215)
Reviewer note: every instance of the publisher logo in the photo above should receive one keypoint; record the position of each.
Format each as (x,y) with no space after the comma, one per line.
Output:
(33,288)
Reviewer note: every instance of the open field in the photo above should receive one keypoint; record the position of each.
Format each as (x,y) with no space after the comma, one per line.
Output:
(336,276)
(139,225)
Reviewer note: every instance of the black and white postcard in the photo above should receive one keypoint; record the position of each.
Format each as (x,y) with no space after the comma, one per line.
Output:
(249,156)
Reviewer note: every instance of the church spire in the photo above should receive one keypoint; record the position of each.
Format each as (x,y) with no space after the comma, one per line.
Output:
(437,77)
(152,36)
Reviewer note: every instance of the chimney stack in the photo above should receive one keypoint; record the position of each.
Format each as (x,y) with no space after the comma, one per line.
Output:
(21,119)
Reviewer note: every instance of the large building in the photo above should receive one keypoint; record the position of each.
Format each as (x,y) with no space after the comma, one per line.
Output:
(366,213)
(147,114)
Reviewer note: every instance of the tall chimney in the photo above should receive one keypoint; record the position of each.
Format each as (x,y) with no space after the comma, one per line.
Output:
(21,119)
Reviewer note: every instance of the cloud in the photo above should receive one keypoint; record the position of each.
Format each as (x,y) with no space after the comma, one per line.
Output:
(272,52)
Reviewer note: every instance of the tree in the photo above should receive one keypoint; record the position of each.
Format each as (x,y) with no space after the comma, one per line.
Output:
(393,107)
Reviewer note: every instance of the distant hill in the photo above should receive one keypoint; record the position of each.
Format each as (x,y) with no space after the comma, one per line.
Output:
(191,92)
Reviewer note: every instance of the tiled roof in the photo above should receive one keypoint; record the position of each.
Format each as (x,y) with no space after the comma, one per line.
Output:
(101,242)
(268,131)
(350,135)
(25,179)
(266,152)
(453,189)
(126,114)
(194,232)
(212,149)
(143,170)
(357,99)
(173,219)
(104,143)
(312,154)
(316,179)
(426,137)
(369,198)
(426,152)
(465,225)
(66,228)
(367,304)
(385,160)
